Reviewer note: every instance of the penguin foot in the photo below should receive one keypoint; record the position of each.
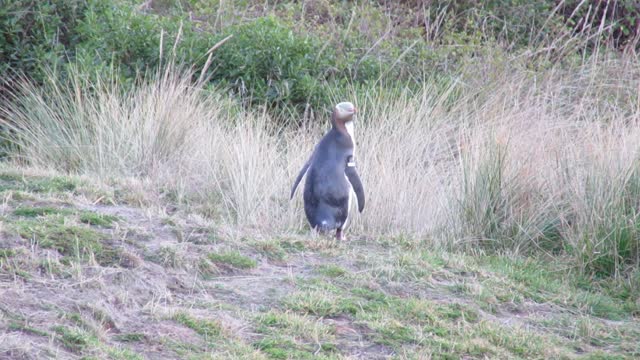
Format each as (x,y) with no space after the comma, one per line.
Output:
(339,235)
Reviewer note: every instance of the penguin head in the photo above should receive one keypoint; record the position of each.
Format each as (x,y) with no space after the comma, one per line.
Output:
(344,111)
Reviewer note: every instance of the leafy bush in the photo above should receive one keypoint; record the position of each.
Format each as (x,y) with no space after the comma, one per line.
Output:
(42,35)
(267,62)
(115,32)
(288,55)
(37,34)
(620,21)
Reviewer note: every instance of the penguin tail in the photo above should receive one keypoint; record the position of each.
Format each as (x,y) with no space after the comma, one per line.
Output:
(321,217)
(326,225)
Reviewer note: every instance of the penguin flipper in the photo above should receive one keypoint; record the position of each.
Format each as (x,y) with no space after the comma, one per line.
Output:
(356,184)
(300,176)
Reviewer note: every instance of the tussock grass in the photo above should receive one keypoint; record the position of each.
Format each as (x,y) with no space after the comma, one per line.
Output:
(504,159)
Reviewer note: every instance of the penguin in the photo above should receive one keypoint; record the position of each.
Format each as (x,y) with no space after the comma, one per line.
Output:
(331,175)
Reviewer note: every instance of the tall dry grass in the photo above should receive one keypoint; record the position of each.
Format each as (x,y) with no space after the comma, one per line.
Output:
(502,160)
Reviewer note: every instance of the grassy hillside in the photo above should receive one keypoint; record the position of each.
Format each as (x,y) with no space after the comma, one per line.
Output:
(88,274)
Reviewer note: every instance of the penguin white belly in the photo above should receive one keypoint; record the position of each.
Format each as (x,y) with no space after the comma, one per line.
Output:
(349,126)
(352,199)
(352,195)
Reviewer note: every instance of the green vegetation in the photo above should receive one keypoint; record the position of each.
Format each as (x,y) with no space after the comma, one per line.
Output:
(331,271)
(91,218)
(130,337)
(53,184)
(167,256)
(73,339)
(21,326)
(451,330)
(291,55)
(279,67)
(208,329)
(288,335)
(272,249)
(40,211)
(233,259)
(86,217)
(73,242)
(7,253)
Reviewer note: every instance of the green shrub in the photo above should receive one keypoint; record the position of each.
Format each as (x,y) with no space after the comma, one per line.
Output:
(117,33)
(37,34)
(266,62)
(293,60)
(42,35)
(618,19)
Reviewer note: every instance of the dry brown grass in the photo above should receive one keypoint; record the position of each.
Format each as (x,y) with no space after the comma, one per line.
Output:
(503,159)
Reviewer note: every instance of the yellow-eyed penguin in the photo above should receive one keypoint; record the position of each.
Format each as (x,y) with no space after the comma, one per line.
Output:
(332,176)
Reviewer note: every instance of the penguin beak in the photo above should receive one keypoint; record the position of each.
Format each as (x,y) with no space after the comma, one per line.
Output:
(355,111)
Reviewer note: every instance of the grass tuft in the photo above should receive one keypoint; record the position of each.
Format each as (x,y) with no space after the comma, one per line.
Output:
(332,270)
(95,219)
(7,253)
(21,326)
(233,259)
(74,242)
(40,211)
(130,337)
(210,330)
(73,339)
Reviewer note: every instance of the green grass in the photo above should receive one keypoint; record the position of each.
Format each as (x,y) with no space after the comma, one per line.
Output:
(130,337)
(331,270)
(287,335)
(91,218)
(619,337)
(540,281)
(41,211)
(183,349)
(290,336)
(450,330)
(233,259)
(208,329)
(86,217)
(122,354)
(7,253)
(76,319)
(22,326)
(73,339)
(74,242)
(38,184)
(17,195)
(317,303)
(278,348)
(272,249)
(216,340)
(293,246)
